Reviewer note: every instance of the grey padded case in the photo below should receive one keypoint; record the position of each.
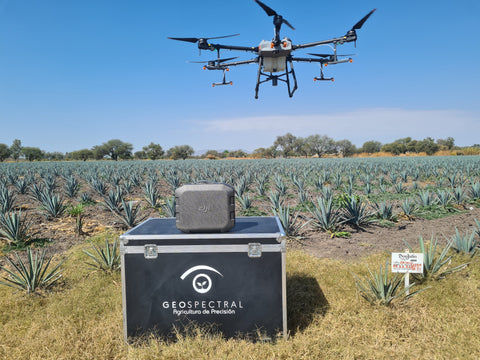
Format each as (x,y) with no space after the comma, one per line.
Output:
(205,207)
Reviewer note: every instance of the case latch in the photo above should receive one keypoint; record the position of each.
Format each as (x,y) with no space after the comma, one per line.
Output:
(150,251)
(254,250)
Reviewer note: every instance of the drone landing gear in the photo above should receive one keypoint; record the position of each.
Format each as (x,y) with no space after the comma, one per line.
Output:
(275,78)
(224,82)
(322,78)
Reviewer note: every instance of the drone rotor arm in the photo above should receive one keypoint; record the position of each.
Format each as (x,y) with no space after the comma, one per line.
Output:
(242,62)
(339,40)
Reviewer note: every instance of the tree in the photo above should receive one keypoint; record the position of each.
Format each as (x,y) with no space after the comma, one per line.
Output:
(237,154)
(449,142)
(345,147)
(16,149)
(32,153)
(427,145)
(371,146)
(153,151)
(286,143)
(99,152)
(180,152)
(262,153)
(54,156)
(114,148)
(140,155)
(4,152)
(211,154)
(83,154)
(300,147)
(320,145)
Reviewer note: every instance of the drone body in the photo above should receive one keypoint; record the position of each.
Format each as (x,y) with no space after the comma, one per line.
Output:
(274,58)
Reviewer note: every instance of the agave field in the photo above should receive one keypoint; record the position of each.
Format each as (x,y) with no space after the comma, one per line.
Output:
(73,213)
(59,201)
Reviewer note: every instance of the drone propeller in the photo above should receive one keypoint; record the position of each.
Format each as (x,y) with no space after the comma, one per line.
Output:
(213,61)
(352,34)
(271,12)
(204,39)
(359,24)
(329,55)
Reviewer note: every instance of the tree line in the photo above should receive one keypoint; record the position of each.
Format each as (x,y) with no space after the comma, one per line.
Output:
(287,145)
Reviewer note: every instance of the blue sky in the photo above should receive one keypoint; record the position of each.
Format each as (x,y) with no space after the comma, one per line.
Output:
(74,74)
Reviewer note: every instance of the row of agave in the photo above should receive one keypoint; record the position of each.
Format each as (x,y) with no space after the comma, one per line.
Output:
(326,193)
(379,288)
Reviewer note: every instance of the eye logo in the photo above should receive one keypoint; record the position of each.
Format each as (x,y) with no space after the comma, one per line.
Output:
(203,209)
(202,283)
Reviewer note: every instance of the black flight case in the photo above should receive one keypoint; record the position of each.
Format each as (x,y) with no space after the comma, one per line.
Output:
(234,280)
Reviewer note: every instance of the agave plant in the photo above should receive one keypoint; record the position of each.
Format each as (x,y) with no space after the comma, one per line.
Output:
(276,200)
(37,192)
(435,266)
(291,222)
(426,198)
(384,211)
(86,199)
(356,212)
(15,229)
(22,185)
(72,186)
(240,186)
(398,187)
(7,200)
(173,180)
(459,194)
(408,207)
(280,185)
(261,182)
(150,193)
(113,200)
(106,259)
(99,186)
(169,207)
(52,204)
(129,213)
(380,289)
(467,243)
(444,198)
(245,201)
(32,275)
(303,196)
(325,216)
(475,190)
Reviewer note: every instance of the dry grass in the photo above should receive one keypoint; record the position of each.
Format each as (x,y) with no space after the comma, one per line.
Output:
(82,319)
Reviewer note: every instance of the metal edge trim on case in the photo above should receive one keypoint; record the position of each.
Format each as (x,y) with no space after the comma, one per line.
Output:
(208,236)
(284,290)
(182,249)
(124,292)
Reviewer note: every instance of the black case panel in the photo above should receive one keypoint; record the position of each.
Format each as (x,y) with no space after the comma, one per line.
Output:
(240,294)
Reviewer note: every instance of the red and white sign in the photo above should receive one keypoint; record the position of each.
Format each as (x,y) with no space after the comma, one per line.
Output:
(407,263)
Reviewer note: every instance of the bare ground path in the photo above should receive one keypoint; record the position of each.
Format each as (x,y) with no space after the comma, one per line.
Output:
(376,239)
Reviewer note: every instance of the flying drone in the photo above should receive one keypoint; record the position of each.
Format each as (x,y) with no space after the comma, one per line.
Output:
(274,58)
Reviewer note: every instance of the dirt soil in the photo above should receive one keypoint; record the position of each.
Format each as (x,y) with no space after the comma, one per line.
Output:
(377,239)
